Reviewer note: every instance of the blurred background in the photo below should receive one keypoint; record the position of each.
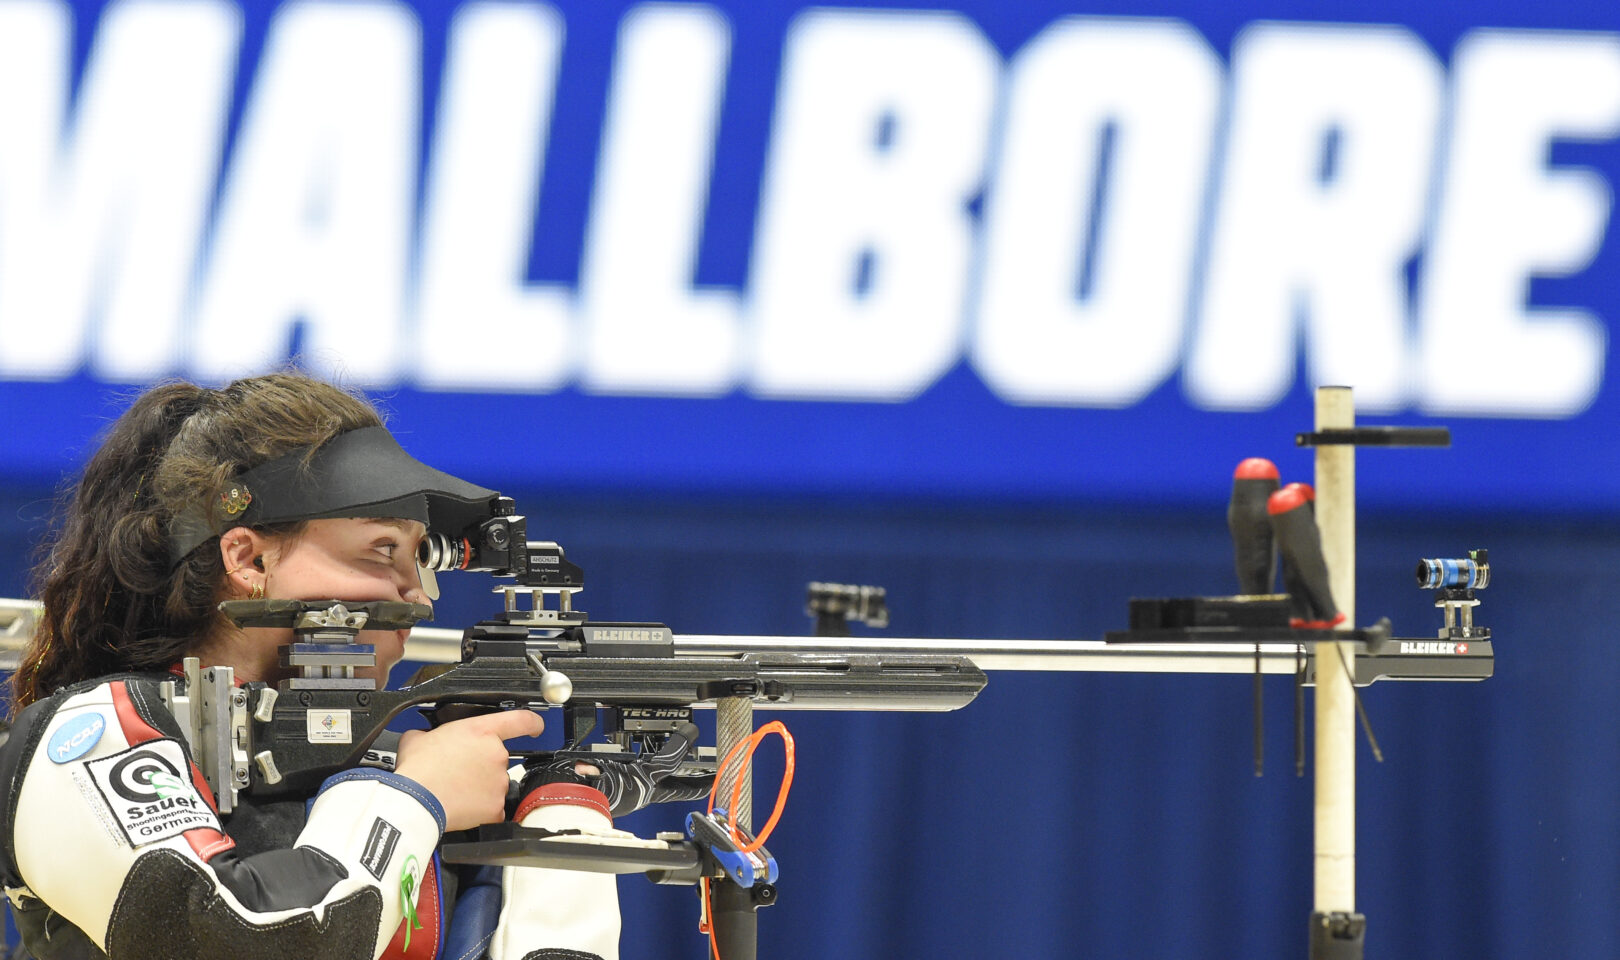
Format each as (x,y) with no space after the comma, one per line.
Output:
(978,301)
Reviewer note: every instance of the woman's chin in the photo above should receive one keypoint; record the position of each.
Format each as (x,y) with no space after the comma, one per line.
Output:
(389,649)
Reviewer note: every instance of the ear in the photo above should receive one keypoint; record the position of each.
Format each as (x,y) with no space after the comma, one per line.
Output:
(242,550)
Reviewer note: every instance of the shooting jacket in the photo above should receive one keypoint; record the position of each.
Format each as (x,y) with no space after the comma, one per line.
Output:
(111,846)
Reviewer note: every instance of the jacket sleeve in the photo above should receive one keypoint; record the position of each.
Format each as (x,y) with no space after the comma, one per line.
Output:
(568,914)
(112,826)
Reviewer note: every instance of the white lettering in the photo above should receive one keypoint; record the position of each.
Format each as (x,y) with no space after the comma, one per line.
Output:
(1424,647)
(1145,93)
(647,331)
(479,326)
(314,222)
(1330,153)
(867,280)
(864,245)
(101,217)
(78,739)
(1504,217)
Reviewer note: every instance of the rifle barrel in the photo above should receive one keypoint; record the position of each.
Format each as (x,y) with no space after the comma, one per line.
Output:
(438,645)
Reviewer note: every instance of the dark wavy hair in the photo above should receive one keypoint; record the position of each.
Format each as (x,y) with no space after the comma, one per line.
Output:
(114,599)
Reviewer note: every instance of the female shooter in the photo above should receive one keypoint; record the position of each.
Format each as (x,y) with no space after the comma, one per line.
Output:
(112,845)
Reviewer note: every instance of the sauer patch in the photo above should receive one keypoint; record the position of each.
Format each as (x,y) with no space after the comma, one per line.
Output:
(149,793)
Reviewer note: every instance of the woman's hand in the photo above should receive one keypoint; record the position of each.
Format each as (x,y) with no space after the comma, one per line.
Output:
(463,763)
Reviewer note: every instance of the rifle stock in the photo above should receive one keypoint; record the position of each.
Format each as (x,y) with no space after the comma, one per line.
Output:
(299,748)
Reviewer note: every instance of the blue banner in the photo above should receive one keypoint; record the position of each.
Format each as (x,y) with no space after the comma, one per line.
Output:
(976,251)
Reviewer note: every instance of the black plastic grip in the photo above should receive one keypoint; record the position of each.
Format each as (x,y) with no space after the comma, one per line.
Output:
(1293,523)
(1254,554)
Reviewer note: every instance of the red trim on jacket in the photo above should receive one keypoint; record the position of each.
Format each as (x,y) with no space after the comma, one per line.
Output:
(206,842)
(425,942)
(572,794)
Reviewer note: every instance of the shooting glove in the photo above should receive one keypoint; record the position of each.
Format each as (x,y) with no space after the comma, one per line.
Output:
(633,783)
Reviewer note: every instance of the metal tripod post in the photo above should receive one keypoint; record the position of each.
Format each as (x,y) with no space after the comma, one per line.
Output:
(1337,931)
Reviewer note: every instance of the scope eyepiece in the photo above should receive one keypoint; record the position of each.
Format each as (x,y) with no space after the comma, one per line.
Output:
(495,545)
(1469,574)
(438,552)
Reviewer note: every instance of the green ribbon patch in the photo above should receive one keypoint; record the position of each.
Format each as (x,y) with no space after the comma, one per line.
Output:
(407,897)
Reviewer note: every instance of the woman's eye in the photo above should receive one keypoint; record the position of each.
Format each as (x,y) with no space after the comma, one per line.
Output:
(387,550)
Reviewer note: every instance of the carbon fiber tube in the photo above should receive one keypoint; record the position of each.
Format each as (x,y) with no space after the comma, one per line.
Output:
(734,723)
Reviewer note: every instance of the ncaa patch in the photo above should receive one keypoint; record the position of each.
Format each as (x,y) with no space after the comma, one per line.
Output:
(149,792)
(75,738)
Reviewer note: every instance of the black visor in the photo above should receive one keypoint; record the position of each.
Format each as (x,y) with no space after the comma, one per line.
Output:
(361,473)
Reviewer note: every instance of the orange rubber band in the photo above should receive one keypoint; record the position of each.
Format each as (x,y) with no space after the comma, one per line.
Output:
(706,922)
(752,743)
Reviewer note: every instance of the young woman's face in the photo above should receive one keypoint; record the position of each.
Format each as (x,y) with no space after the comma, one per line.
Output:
(354,560)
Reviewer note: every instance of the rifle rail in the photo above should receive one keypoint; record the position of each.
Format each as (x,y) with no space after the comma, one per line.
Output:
(440,645)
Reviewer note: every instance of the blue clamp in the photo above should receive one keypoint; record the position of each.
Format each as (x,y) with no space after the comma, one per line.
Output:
(712,832)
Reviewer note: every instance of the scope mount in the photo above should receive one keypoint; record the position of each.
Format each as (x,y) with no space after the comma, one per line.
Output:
(547,572)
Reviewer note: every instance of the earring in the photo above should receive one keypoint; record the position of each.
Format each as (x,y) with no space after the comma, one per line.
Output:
(258,591)
(236,542)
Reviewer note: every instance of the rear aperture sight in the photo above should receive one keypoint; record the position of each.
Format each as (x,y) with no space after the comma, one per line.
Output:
(1473,573)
